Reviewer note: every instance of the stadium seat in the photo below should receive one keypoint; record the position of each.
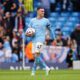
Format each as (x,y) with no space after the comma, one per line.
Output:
(62,19)
(55,14)
(52,19)
(65,14)
(73,19)
(59,24)
(76,14)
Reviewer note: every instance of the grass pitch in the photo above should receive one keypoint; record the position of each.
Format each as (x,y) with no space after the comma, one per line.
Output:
(40,75)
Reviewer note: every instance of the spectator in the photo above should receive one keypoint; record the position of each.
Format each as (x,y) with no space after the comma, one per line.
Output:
(9,24)
(69,58)
(14,57)
(1,21)
(19,22)
(2,59)
(72,52)
(16,43)
(7,49)
(75,37)
(14,39)
(2,31)
(9,5)
(1,34)
(59,41)
(63,5)
(1,8)
(21,7)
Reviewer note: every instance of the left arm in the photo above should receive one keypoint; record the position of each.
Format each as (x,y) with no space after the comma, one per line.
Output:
(50,29)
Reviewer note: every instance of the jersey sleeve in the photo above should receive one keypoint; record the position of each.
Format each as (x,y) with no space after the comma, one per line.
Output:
(49,28)
(48,24)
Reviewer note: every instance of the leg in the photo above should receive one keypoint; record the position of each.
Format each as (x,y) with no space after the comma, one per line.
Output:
(43,65)
(34,68)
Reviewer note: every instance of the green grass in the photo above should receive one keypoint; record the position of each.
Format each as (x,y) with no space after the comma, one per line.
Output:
(40,75)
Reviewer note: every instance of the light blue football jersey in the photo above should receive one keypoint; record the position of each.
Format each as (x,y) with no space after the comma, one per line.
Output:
(40,26)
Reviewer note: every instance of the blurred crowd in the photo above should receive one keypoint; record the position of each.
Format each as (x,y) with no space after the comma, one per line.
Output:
(12,24)
(72,42)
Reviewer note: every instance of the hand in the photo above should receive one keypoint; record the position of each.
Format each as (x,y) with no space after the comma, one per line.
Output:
(29,35)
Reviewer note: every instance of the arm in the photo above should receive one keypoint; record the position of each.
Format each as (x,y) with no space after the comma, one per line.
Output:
(28,26)
(50,29)
(13,6)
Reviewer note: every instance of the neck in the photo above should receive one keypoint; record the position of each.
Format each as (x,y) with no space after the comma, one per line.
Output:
(39,17)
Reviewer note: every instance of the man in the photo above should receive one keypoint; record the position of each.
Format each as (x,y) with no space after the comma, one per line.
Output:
(19,22)
(9,6)
(59,40)
(75,36)
(40,24)
(9,21)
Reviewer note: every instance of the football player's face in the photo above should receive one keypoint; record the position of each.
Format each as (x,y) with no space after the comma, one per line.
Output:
(41,12)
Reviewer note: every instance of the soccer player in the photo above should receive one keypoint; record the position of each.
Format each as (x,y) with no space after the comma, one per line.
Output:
(39,23)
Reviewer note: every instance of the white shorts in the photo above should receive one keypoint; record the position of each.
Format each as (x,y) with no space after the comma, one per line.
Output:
(37,47)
